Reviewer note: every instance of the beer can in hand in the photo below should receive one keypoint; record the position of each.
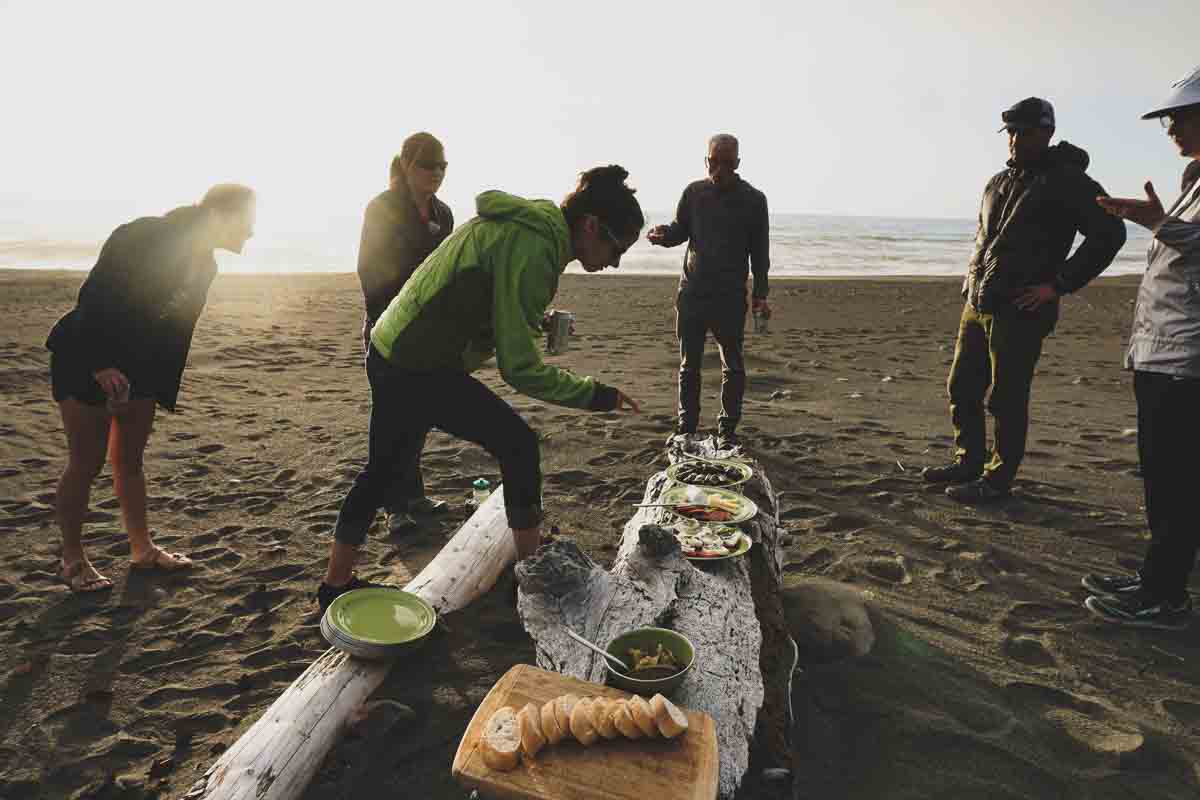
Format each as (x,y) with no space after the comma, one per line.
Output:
(760,321)
(559,334)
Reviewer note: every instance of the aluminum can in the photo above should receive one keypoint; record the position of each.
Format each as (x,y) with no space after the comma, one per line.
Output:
(760,321)
(559,334)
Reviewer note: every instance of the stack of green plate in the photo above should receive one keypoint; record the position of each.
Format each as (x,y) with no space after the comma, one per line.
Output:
(377,623)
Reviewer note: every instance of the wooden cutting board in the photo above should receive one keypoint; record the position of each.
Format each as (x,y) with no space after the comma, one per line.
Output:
(684,768)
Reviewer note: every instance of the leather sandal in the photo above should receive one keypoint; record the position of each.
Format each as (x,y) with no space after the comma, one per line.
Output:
(83,578)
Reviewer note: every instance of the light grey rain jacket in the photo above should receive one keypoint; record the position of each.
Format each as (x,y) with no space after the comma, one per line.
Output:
(1166,320)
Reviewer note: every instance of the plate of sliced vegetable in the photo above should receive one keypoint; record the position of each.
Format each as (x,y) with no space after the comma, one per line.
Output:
(702,542)
(708,505)
(722,473)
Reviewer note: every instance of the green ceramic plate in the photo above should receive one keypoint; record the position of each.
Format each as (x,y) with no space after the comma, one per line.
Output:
(682,494)
(746,473)
(381,616)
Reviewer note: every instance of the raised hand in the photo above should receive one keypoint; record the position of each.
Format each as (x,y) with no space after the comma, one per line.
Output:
(1148,213)
(657,234)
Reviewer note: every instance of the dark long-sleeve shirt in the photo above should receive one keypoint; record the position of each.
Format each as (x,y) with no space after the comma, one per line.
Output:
(727,231)
(394,243)
(138,307)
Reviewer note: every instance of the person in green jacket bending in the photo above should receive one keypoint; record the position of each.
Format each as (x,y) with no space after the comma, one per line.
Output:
(482,293)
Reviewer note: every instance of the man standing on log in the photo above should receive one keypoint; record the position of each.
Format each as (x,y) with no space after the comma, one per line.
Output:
(1028,219)
(724,221)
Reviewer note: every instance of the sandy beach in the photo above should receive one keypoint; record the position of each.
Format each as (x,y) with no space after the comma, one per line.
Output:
(989,679)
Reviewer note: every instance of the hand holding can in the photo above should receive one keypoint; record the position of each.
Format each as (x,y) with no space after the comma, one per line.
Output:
(562,325)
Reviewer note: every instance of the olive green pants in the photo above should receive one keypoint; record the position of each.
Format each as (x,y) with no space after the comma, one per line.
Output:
(1000,352)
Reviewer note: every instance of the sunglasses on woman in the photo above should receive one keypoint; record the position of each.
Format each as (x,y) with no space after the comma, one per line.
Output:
(433,165)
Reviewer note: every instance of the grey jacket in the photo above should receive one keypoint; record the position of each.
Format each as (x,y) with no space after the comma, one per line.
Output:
(1166,320)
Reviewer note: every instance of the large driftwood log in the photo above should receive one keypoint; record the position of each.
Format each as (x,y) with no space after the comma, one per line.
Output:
(651,583)
(276,758)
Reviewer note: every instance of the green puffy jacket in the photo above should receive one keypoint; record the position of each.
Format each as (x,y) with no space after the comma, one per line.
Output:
(483,292)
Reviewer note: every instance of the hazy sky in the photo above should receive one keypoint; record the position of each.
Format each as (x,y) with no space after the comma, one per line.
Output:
(115,109)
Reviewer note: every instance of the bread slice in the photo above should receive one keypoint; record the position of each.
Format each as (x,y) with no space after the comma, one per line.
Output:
(622,719)
(550,729)
(670,720)
(532,738)
(501,742)
(602,721)
(582,727)
(563,705)
(643,717)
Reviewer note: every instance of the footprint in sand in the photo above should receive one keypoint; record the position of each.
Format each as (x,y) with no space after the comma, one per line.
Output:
(606,459)
(892,568)
(1185,712)
(1029,650)
(803,512)
(188,696)
(217,557)
(1037,616)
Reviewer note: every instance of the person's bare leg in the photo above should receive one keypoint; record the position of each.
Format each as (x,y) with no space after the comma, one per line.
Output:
(126,448)
(527,541)
(87,439)
(342,558)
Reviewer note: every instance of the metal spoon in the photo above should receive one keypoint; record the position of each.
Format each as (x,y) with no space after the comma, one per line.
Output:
(618,663)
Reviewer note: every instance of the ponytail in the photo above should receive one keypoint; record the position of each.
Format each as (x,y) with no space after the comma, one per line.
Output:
(602,192)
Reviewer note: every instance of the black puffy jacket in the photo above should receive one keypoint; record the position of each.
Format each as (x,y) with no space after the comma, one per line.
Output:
(1027,222)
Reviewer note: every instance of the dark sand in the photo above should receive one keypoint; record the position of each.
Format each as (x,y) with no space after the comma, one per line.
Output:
(989,679)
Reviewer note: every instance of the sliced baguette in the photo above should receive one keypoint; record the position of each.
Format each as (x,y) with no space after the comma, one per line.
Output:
(622,719)
(501,742)
(582,727)
(532,738)
(670,720)
(602,721)
(550,729)
(643,717)
(563,705)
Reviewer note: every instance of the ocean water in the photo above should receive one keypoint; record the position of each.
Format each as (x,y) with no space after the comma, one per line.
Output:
(802,245)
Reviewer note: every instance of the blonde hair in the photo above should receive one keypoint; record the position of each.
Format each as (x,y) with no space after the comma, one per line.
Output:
(420,145)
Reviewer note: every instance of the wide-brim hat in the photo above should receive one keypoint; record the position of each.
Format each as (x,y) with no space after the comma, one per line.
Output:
(1184,92)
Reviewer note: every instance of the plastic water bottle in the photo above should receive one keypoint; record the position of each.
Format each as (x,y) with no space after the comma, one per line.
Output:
(480,490)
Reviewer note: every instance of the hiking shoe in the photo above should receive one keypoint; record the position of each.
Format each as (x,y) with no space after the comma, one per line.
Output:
(727,441)
(427,505)
(1112,586)
(958,472)
(1139,610)
(326,594)
(399,522)
(977,492)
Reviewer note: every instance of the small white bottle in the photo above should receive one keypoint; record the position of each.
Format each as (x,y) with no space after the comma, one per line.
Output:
(480,491)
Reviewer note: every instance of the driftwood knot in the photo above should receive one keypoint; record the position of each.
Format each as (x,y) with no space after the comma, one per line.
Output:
(555,569)
(656,541)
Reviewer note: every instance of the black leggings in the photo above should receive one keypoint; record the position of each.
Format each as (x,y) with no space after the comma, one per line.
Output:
(1168,436)
(404,406)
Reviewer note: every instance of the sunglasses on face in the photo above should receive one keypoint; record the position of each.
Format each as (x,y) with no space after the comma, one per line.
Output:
(432,165)
(1167,120)
(713,163)
(618,250)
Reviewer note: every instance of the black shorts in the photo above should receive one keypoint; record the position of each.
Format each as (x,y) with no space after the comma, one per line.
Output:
(70,378)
